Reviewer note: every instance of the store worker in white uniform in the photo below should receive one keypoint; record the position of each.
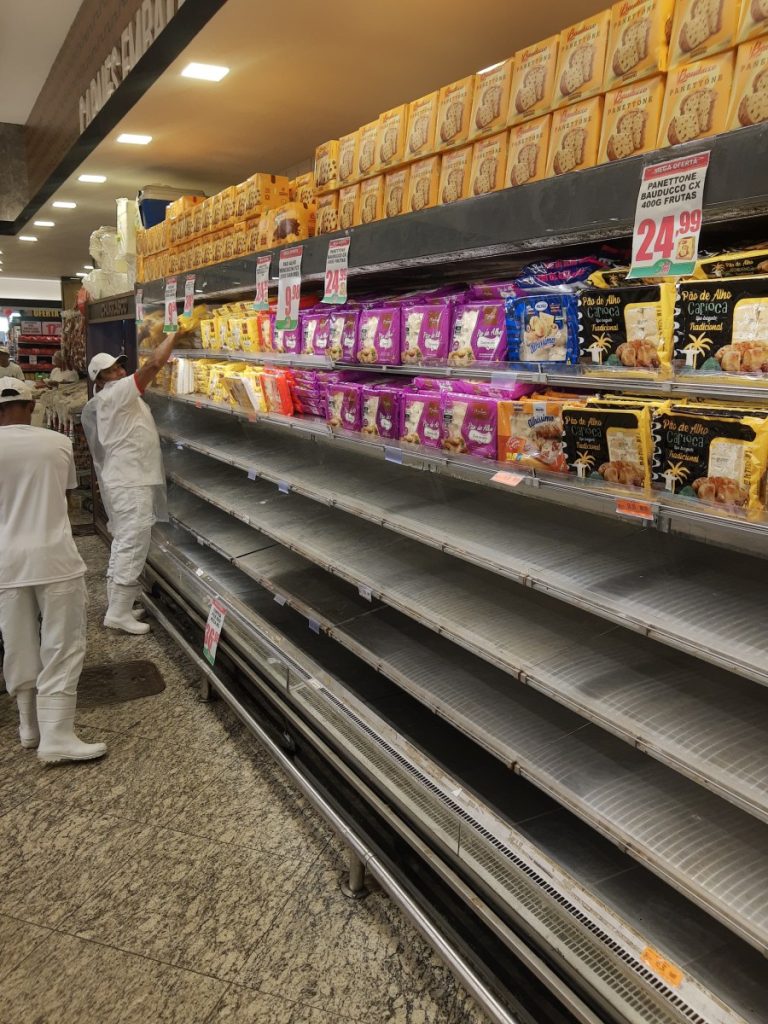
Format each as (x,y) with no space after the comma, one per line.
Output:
(125,447)
(41,575)
(7,366)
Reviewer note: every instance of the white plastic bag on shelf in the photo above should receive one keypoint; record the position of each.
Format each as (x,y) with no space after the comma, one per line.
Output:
(100,284)
(104,247)
(127,221)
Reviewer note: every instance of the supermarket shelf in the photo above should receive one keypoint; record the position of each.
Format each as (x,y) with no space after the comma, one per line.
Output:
(605,675)
(702,601)
(670,513)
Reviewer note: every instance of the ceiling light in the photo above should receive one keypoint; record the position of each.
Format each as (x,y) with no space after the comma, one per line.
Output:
(27,238)
(64,204)
(206,72)
(134,140)
(93,179)
(87,266)
(44,224)
(81,273)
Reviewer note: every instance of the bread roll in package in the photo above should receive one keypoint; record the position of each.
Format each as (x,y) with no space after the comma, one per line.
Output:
(581,59)
(638,44)
(610,443)
(533,80)
(721,326)
(491,99)
(703,27)
(749,95)
(629,329)
(574,137)
(531,434)
(454,110)
(527,151)
(696,100)
(631,116)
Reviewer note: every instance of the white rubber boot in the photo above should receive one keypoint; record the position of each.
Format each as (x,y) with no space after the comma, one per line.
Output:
(29,733)
(56,717)
(137,611)
(119,614)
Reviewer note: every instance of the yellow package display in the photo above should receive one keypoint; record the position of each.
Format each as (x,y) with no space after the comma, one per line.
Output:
(347,158)
(454,108)
(304,189)
(721,326)
(531,433)
(349,206)
(491,99)
(390,137)
(703,27)
(366,149)
(574,137)
(749,95)
(754,19)
(581,59)
(327,213)
(628,329)
(631,116)
(327,166)
(611,444)
(696,100)
(527,151)
(395,192)
(250,334)
(422,119)
(292,222)
(489,161)
(371,199)
(533,80)
(638,41)
(745,263)
(423,183)
(455,172)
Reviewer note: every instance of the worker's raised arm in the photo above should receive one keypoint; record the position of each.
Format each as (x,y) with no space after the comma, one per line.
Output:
(155,362)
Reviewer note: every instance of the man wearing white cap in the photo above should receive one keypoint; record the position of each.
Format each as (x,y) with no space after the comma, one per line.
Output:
(7,366)
(41,574)
(126,449)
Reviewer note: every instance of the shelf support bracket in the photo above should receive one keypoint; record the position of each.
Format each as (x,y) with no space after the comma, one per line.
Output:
(353,886)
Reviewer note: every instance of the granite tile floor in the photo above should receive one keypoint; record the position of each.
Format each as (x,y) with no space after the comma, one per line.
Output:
(184,880)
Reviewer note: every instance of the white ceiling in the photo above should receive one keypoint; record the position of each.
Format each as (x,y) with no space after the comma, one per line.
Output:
(31,34)
(287,91)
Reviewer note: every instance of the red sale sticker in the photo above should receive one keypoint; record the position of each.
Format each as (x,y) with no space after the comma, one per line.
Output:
(213,629)
(261,299)
(289,288)
(336,264)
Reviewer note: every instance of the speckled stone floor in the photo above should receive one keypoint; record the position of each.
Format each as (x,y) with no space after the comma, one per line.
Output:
(183,880)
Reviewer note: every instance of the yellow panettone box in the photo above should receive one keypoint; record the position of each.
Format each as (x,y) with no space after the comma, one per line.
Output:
(489,160)
(491,99)
(631,116)
(390,137)
(455,172)
(454,109)
(638,45)
(527,151)
(754,19)
(581,59)
(423,183)
(347,158)
(327,213)
(371,199)
(533,80)
(349,206)
(395,192)
(749,95)
(303,189)
(422,118)
(574,137)
(327,166)
(703,27)
(696,100)
(366,149)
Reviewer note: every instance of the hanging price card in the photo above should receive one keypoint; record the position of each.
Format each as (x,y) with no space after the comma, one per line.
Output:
(665,242)
(289,288)
(189,293)
(336,263)
(213,629)
(171,321)
(261,299)
(139,305)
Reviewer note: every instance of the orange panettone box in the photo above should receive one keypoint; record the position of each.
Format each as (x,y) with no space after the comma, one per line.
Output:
(423,183)
(489,160)
(631,116)
(696,100)
(581,59)
(749,95)
(754,19)
(638,45)
(395,192)
(454,109)
(390,137)
(455,172)
(366,149)
(422,118)
(327,166)
(574,137)
(349,206)
(527,152)
(491,99)
(327,213)
(371,199)
(347,158)
(703,27)
(533,80)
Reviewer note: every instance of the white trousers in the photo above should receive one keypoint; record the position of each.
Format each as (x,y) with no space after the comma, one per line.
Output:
(48,657)
(132,515)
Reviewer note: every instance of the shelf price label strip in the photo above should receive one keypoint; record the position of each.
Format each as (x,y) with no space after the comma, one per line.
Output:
(289,288)
(336,268)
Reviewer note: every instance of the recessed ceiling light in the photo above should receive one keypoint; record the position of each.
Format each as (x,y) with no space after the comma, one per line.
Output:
(27,238)
(206,72)
(134,140)
(87,266)
(81,273)
(62,204)
(93,179)
(44,224)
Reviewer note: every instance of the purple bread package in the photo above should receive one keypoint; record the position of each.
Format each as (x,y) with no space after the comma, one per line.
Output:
(422,418)
(379,335)
(425,332)
(381,410)
(342,342)
(344,406)
(479,333)
(469,424)
(315,329)
(285,341)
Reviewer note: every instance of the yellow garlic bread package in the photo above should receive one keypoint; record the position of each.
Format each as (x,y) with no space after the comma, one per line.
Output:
(581,59)
(422,119)
(489,160)
(612,444)
(703,27)
(491,99)
(754,19)
(745,263)
(327,166)
(455,171)
(527,151)
(696,100)
(396,192)
(349,206)
(366,149)
(327,213)
(371,199)
(749,95)
(631,116)
(454,109)
(347,157)
(390,137)
(721,326)
(530,433)
(574,137)
(628,329)
(423,183)
(533,80)
(639,40)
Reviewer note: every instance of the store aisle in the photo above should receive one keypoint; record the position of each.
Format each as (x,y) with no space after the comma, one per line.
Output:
(183,879)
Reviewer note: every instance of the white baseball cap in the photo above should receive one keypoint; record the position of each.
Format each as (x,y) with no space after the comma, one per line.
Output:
(4,350)
(20,391)
(103,361)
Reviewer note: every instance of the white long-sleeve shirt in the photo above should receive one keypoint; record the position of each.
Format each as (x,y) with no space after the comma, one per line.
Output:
(128,435)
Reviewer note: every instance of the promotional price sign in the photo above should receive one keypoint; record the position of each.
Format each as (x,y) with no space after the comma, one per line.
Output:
(336,264)
(189,293)
(668,218)
(139,305)
(171,320)
(261,299)
(289,288)
(213,629)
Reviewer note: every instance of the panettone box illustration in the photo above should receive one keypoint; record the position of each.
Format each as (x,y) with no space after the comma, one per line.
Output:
(533,80)
(489,160)
(455,172)
(574,137)
(390,137)
(348,158)
(366,149)
(696,100)
(527,151)
(581,59)
(703,27)
(754,19)
(303,189)
(349,206)
(327,166)
(396,192)
(638,44)
(327,213)
(491,99)
(423,182)
(371,199)
(631,116)
(749,95)
(454,109)
(422,119)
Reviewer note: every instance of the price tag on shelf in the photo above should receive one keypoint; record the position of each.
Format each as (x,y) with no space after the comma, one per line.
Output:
(314,625)
(393,454)
(508,479)
(283,487)
(171,321)
(336,265)
(635,509)
(289,288)
(33,360)
(213,629)
(139,305)
(668,217)
(261,299)
(663,967)
(189,293)
(251,474)
(280,599)
(365,592)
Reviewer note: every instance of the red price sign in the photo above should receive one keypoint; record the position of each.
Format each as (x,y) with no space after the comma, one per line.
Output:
(213,629)
(336,264)
(668,218)
(289,288)
(189,294)
(171,320)
(261,299)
